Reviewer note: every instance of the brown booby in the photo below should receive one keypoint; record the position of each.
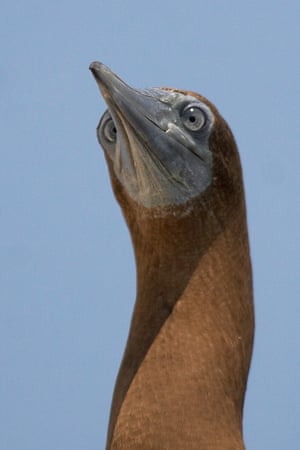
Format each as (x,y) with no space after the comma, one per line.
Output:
(175,171)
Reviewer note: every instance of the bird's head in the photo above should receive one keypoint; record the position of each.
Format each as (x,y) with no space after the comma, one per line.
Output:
(166,148)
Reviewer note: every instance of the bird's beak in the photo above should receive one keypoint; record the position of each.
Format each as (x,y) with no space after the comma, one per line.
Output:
(143,110)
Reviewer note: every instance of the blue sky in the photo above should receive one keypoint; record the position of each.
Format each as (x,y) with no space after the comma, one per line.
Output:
(67,275)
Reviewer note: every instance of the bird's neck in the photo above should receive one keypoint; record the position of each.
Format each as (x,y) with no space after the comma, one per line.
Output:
(187,358)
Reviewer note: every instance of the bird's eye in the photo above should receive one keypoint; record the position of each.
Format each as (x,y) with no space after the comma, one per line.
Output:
(109,130)
(193,118)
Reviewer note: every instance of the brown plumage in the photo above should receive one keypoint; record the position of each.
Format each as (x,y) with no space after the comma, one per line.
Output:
(182,381)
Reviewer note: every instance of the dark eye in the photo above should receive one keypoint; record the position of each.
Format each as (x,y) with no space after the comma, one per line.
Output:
(109,130)
(193,118)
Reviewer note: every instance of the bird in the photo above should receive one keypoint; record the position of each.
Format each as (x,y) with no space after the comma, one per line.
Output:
(175,171)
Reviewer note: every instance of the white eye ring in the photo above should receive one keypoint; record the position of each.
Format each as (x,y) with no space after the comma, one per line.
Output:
(109,130)
(193,118)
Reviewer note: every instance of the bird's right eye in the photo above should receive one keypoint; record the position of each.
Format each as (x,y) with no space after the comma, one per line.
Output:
(109,130)
(193,118)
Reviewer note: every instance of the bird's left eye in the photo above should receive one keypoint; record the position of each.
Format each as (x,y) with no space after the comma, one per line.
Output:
(109,130)
(193,118)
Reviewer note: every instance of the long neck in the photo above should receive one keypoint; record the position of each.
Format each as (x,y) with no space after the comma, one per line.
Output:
(182,381)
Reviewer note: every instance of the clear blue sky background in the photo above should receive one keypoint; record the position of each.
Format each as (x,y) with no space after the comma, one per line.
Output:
(67,272)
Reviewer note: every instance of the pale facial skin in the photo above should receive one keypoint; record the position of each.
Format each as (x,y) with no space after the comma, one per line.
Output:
(159,147)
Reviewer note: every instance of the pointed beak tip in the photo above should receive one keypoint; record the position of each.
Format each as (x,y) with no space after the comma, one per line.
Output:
(94,64)
(95,67)
(101,72)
